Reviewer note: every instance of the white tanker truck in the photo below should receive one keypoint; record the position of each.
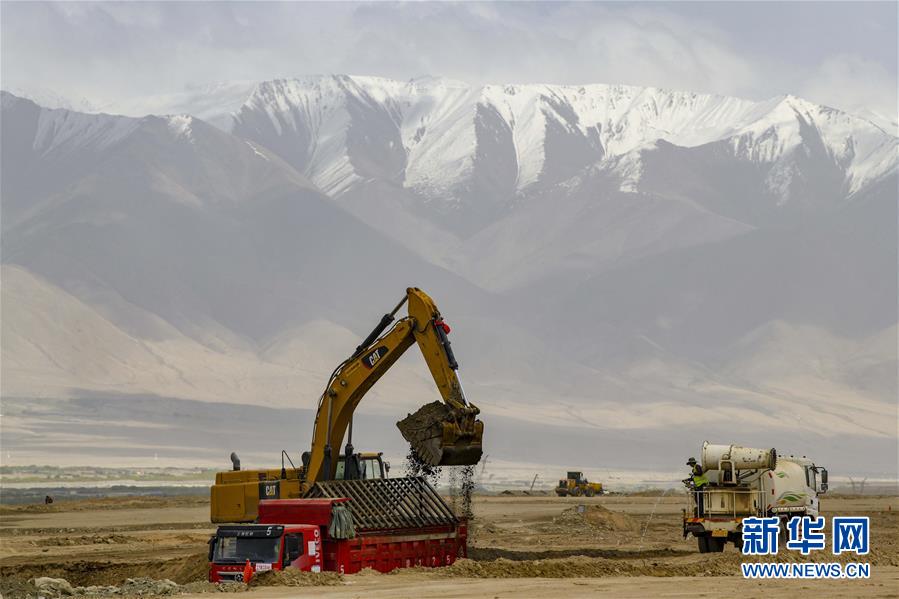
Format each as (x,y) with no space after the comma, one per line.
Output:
(744,482)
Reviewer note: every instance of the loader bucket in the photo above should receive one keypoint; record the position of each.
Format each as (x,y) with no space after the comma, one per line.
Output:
(443,436)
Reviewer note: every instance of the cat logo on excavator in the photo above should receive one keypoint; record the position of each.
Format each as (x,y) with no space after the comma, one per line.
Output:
(371,358)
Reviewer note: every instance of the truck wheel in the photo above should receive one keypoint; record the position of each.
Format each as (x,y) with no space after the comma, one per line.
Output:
(590,493)
(576,492)
(703,542)
(716,545)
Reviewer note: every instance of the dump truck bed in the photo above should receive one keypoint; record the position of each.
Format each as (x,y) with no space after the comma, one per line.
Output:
(390,504)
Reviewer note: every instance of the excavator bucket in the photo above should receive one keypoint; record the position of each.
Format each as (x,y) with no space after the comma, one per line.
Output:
(444,436)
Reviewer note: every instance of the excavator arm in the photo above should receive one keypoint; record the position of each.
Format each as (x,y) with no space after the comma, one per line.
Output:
(441,434)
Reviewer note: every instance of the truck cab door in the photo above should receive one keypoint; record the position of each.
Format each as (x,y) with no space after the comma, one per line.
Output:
(301,549)
(292,549)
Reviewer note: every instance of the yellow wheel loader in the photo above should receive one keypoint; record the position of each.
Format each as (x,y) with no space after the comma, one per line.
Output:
(575,485)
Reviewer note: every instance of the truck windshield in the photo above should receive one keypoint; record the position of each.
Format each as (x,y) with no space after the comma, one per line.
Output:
(241,549)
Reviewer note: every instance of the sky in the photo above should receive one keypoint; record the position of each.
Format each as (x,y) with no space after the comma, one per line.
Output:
(839,54)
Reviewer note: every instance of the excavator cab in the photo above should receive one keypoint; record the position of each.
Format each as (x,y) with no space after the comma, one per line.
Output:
(364,466)
(369,465)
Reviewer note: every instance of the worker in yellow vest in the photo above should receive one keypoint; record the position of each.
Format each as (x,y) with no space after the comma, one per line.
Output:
(699,481)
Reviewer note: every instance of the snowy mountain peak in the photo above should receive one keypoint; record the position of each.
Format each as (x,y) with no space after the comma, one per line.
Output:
(461,148)
(434,135)
(49,98)
(59,130)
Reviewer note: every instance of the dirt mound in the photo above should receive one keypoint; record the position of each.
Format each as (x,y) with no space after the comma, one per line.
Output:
(552,568)
(368,572)
(486,554)
(84,573)
(14,587)
(586,567)
(193,568)
(148,587)
(596,517)
(133,587)
(83,540)
(211,587)
(295,578)
(662,565)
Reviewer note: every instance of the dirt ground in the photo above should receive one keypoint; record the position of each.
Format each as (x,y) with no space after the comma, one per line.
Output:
(519,546)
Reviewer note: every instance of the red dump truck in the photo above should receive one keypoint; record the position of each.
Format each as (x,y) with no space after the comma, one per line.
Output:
(343,526)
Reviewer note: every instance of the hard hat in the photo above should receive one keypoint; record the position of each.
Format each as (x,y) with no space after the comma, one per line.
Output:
(691,462)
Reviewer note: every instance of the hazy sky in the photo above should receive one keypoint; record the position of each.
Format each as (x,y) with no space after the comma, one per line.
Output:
(840,54)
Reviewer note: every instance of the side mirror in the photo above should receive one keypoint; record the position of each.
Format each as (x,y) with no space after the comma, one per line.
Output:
(211,542)
(824,480)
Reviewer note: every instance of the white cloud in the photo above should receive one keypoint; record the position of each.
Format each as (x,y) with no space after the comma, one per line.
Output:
(111,51)
(854,84)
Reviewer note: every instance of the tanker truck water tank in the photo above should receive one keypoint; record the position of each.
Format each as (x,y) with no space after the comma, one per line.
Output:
(742,458)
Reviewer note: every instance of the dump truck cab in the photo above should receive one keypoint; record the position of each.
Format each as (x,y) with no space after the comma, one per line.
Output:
(265,547)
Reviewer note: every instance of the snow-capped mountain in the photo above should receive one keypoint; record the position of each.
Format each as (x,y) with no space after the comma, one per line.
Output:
(447,140)
(49,98)
(621,258)
(460,173)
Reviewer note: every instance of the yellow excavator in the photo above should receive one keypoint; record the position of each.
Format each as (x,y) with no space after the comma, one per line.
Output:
(444,433)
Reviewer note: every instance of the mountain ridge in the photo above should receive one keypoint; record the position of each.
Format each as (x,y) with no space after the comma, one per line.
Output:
(636,291)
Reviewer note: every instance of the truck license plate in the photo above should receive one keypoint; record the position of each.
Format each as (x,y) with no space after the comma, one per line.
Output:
(719,533)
